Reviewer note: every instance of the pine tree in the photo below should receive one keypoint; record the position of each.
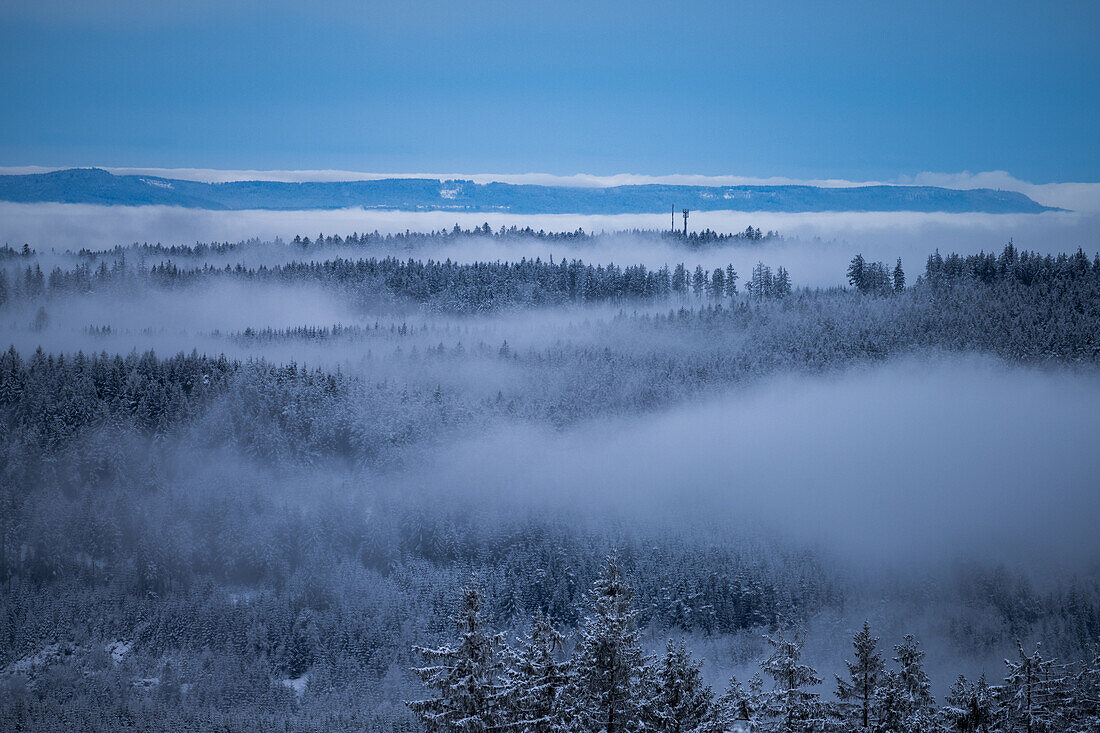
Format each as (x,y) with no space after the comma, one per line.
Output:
(857,694)
(698,280)
(789,707)
(1033,695)
(969,708)
(899,277)
(718,283)
(762,284)
(683,702)
(782,282)
(856,273)
(535,679)
(933,267)
(876,278)
(1086,697)
(890,706)
(731,281)
(607,691)
(737,707)
(679,279)
(904,700)
(466,677)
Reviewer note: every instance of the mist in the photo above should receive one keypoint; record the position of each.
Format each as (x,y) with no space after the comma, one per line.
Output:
(310,452)
(815,246)
(918,462)
(427,464)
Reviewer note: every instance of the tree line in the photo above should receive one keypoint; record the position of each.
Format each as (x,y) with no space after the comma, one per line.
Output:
(412,240)
(46,399)
(443,285)
(484,286)
(608,684)
(113,531)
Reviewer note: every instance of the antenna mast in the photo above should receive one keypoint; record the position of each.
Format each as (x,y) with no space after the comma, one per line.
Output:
(685,222)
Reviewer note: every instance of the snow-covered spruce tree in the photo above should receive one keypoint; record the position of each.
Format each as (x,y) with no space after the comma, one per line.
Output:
(607,691)
(899,277)
(789,707)
(969,707)
(762,285)
(534,680)
(466,677)
(717,287)
(782,285)
(737,708)
(856,273)
(698,280)
(1033,698)
(904,700)
(889,707)
(876,278)
(731,281)
(857,693)
(1086,697)
(683,701)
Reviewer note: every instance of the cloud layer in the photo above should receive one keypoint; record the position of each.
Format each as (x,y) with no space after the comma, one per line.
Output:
(816,246)
(916,459)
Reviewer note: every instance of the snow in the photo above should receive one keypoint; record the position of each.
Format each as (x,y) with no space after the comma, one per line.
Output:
(118,650)
(43,657)
(296,684)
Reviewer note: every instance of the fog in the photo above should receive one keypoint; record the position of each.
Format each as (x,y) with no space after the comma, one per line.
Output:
(925,460)
(922,457)
(815,249)
(930,455)
(934,456)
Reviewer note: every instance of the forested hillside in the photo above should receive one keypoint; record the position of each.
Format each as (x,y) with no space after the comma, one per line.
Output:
(97,186)
(276,525)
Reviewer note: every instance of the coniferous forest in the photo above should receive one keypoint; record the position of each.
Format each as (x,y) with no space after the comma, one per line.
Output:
(525,367)
(346,483)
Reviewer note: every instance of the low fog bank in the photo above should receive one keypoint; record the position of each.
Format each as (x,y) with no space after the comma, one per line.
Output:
(916,462)
(816,249)
(171,321)
(380,341)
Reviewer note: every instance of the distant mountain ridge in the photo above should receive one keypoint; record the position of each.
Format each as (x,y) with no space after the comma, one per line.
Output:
(97,186)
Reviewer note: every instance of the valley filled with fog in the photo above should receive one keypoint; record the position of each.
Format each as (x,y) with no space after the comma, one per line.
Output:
(247,467)
(816,246)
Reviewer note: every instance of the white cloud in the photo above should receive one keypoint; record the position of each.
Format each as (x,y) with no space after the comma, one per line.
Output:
(841,460)
(1083,197)
(816,246)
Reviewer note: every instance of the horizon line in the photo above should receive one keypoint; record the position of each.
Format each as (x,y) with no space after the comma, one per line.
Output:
(1078,196)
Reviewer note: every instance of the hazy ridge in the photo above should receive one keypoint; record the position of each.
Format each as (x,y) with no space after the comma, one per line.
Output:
(97,186)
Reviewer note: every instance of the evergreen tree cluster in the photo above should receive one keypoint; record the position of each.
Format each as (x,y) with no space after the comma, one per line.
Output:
(268,410)
(875,277)
(1012,265)
(765,285)
(609,684)
(410,240)
(208,542)
(442,285)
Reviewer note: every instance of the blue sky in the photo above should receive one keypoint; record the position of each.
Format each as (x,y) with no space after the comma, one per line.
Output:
(860,90)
